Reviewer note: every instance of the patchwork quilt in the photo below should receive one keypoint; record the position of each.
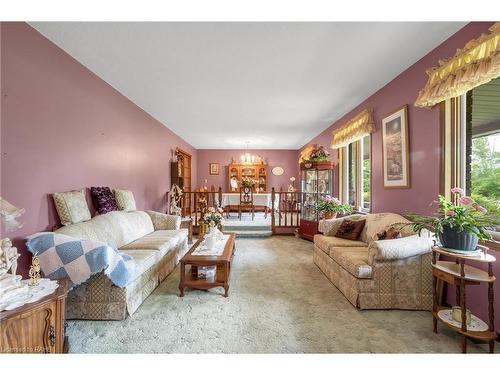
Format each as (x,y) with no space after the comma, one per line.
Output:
(63,256)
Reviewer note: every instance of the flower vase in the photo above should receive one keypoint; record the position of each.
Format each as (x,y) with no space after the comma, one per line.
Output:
(464,240)
(211,238)
(330,215)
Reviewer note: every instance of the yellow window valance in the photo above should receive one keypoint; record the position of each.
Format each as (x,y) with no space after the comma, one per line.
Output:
(355,129)
(474,65)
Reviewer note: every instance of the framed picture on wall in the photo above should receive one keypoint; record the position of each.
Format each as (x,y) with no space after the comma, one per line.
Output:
(395,150)
(213,168)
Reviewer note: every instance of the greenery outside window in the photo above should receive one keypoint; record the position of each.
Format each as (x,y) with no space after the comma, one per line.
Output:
(471,147)
(355,174)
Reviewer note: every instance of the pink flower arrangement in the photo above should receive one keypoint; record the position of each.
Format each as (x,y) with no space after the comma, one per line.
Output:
(465,200)
(457,190)
(461,213)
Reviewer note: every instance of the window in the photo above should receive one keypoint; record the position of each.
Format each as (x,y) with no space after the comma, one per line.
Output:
(471,146)
(355,174)
(366,173)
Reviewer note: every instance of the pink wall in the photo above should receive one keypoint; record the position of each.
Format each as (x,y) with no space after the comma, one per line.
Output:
(424,148)
(423,129)
(287,159)
(63,128)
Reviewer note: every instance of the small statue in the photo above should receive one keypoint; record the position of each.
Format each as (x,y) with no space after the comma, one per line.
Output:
(34,272)
(175,200)
(8,257)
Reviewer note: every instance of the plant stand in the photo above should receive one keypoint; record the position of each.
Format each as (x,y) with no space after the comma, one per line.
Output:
(460,274)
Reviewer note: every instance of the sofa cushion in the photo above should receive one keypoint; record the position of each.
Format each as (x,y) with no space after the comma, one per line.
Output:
(353,259)
(350,229)
(329,226)
(117,228)
(104,199)
(326,242)
(125,199)
(399,248)
(160,240)
(376,223)
(144,260)
(72,207)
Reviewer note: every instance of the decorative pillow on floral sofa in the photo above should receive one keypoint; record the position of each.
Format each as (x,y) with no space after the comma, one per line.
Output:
(104,199)
(72,207)
(125,200)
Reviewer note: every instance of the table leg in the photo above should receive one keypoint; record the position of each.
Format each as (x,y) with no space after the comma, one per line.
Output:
(226,280)
(463,306)
(181,283)
(435,304)
(491,311)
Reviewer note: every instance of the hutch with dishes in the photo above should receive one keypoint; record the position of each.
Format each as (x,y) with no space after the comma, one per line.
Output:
(258,172)
(316,181)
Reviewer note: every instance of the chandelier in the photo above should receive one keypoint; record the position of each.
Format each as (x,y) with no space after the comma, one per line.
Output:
(248,158)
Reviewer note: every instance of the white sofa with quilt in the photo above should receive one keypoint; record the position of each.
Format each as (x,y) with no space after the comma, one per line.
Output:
(156,243)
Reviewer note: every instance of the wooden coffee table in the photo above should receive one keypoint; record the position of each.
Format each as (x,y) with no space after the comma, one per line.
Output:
(222,263)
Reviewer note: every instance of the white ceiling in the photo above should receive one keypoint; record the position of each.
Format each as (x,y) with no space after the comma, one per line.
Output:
(219,85)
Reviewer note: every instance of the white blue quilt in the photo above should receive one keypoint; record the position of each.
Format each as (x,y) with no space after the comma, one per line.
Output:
(63,256)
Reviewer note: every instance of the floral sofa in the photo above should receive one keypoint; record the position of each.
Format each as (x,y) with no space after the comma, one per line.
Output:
(377,274)
(152,239)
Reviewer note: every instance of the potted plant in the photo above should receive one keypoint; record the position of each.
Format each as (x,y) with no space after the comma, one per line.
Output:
(331,207)
(318,154)
(459,224)
(212,219)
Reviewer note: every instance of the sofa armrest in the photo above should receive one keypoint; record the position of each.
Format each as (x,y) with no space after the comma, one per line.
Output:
(399,248)
(329,226)
(164,221)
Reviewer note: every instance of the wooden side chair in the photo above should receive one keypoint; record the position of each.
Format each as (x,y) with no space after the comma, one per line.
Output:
(246,201)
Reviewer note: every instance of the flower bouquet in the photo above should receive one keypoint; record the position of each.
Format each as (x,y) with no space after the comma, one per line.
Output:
(247,182)
(459,223)
(331,207)
(213,217)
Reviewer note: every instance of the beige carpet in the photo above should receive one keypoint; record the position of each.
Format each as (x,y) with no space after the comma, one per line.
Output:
(279,302)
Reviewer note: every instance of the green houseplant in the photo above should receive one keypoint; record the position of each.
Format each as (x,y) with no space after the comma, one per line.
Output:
(459,223)
(331,207)
(318,154)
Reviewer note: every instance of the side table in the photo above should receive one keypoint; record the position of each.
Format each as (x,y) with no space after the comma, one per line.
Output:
(37,327)
(460,274)
(187,223)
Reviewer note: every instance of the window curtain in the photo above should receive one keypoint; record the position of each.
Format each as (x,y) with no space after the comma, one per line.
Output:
(355,129)
(474,65)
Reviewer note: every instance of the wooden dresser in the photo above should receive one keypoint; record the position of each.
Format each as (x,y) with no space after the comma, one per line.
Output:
(37,327)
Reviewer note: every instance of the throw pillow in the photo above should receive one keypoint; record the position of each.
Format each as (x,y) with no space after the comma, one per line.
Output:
(389,234)
(72,207)
(125,200)
(104,200)
(350,229)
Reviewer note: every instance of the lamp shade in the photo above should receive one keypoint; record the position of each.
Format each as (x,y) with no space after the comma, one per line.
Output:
(9,214)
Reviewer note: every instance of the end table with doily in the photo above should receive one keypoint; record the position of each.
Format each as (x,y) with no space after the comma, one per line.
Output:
(460,274)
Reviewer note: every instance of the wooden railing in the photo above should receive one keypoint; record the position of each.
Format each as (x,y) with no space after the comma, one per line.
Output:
(194,203)
(286,218)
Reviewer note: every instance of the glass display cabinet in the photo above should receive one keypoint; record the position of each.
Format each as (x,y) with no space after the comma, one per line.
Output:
(316,181)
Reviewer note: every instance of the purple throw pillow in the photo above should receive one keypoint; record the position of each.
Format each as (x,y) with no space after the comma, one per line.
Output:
(104,199)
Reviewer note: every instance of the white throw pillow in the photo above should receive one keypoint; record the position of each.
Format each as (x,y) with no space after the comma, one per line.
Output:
(125,200)
(72,207)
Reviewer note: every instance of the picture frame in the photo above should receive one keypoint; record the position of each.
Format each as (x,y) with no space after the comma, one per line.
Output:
(396,149)
(213,168)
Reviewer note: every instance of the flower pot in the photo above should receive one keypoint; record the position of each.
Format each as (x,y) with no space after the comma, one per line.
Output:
(460,240)
(330,215)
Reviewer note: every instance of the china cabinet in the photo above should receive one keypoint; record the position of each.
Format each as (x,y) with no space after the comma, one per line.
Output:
(316,181)
(256,171)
